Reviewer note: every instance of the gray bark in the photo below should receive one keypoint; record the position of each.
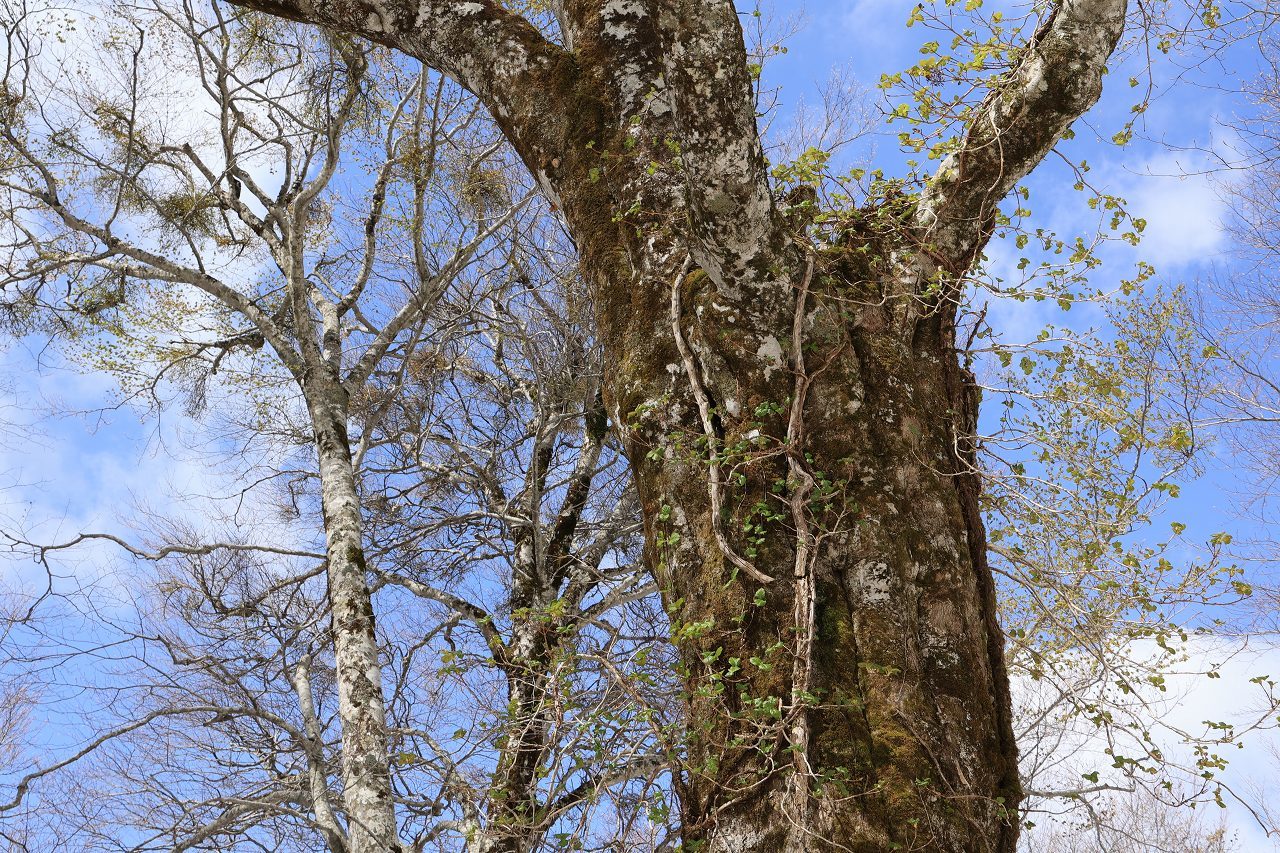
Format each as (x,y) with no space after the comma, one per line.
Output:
(366,791)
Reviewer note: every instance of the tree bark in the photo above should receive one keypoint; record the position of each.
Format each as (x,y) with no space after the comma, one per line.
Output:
(858,699)
(797,418)
(366,790)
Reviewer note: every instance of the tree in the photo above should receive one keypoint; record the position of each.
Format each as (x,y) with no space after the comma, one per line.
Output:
(140,218)
(528,698)
(532,480)
(791,401)
(1098,432)
(441,437)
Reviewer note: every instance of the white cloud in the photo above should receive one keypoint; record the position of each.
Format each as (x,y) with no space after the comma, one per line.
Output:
(1184,213)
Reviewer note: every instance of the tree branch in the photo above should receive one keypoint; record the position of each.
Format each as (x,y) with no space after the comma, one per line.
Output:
(167,550)
(494,53)
(474,614)
(1058,78)
(424,296)
(24,784)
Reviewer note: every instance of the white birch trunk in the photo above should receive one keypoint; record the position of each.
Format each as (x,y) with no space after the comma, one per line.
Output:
(366,775)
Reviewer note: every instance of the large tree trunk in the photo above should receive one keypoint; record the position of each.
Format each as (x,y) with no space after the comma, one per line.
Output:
(800,441)
(858,699)
(366,778)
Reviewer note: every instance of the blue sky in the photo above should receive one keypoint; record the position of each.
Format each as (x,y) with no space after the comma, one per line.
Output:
(70,472)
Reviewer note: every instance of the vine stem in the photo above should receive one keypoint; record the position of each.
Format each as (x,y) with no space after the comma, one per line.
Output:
(715,485)
(805,592)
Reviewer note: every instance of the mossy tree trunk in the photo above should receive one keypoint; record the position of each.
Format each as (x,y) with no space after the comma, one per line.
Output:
(857,697)
(797,419)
